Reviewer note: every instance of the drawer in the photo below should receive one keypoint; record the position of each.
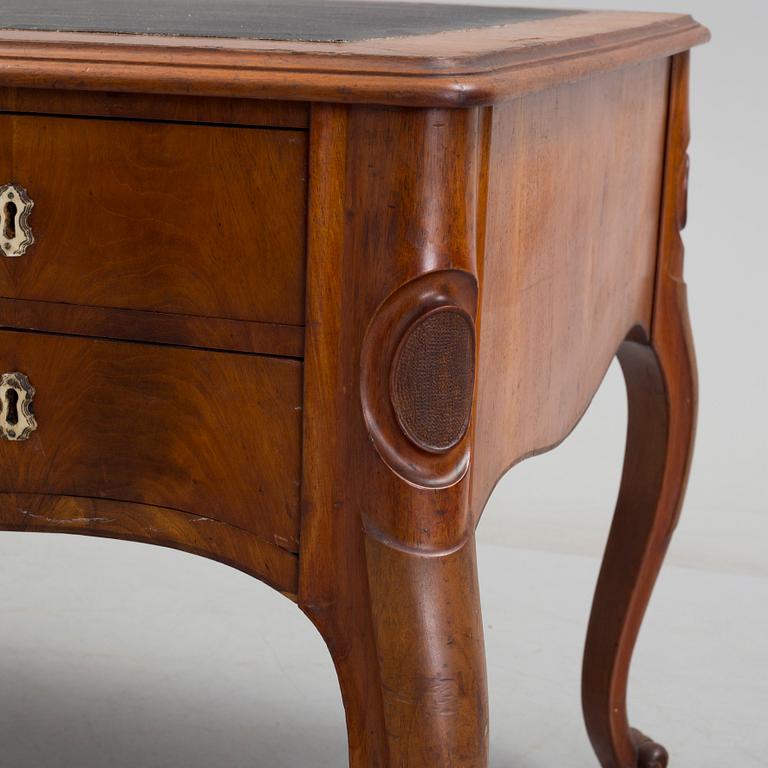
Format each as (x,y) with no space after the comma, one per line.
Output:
(213,434)
(201,220)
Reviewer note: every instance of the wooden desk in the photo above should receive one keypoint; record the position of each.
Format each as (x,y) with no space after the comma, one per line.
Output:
(292,286)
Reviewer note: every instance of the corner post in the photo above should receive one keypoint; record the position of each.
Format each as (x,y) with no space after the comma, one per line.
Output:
(387,561)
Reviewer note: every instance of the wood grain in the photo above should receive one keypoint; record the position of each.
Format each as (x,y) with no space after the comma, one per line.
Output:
(387,567)
(333,586)
(461,68)
(155,327)
(181,219)
(152,525)
(146,106)
(210,434)
(660,371)
(551,203)
(573,179)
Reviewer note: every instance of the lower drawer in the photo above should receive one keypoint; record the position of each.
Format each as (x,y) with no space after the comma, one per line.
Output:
(216,435)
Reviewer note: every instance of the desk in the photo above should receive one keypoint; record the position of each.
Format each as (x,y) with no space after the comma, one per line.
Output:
(291,286)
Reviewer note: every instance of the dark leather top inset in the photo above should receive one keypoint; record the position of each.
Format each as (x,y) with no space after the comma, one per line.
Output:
(290,20)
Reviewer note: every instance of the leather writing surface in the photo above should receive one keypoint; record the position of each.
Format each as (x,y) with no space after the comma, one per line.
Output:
(290,20)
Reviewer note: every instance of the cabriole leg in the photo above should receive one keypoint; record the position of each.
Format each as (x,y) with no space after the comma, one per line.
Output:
(414,687)
(660,374)
(659,441)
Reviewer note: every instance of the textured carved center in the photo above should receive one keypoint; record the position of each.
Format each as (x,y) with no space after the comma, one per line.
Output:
(433,378)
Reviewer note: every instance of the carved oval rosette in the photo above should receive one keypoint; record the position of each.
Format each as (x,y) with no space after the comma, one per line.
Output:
(418,377)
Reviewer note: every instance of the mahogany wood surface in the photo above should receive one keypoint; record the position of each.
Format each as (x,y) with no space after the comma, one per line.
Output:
(184,219)
(552,204)
(460,68)
(228,317)
(165,107)
(573,179)
(660,372)
(387,568)
(211,434)
(153,525)
(156,327)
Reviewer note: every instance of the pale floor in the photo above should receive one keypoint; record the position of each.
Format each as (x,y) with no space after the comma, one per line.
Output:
(118,655)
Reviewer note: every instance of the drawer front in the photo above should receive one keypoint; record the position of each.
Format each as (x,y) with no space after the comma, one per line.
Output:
(212,434)
(178,218)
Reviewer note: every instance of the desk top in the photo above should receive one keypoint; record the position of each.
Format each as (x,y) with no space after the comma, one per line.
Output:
(287,20)
(411,54)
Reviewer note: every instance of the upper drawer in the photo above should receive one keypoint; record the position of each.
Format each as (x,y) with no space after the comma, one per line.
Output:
(179,218)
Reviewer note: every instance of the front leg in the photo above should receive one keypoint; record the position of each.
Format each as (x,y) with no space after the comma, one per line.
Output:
(411,662)
(429,641)
(387,559)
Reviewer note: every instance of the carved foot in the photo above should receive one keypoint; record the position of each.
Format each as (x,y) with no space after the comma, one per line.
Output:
(649,753)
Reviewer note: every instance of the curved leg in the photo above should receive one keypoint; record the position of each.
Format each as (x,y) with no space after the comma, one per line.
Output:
(429,636)
(345,623)
(660,435)
(387,560)
(414,685)
(661,385)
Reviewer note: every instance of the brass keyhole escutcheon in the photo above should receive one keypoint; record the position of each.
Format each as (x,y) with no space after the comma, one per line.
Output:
(15,233)
(17,422)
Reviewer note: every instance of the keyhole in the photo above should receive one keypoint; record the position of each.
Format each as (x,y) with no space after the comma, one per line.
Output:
(9,219)
(12,409)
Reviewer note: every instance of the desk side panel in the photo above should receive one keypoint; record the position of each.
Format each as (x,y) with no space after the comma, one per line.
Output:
(568,254)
